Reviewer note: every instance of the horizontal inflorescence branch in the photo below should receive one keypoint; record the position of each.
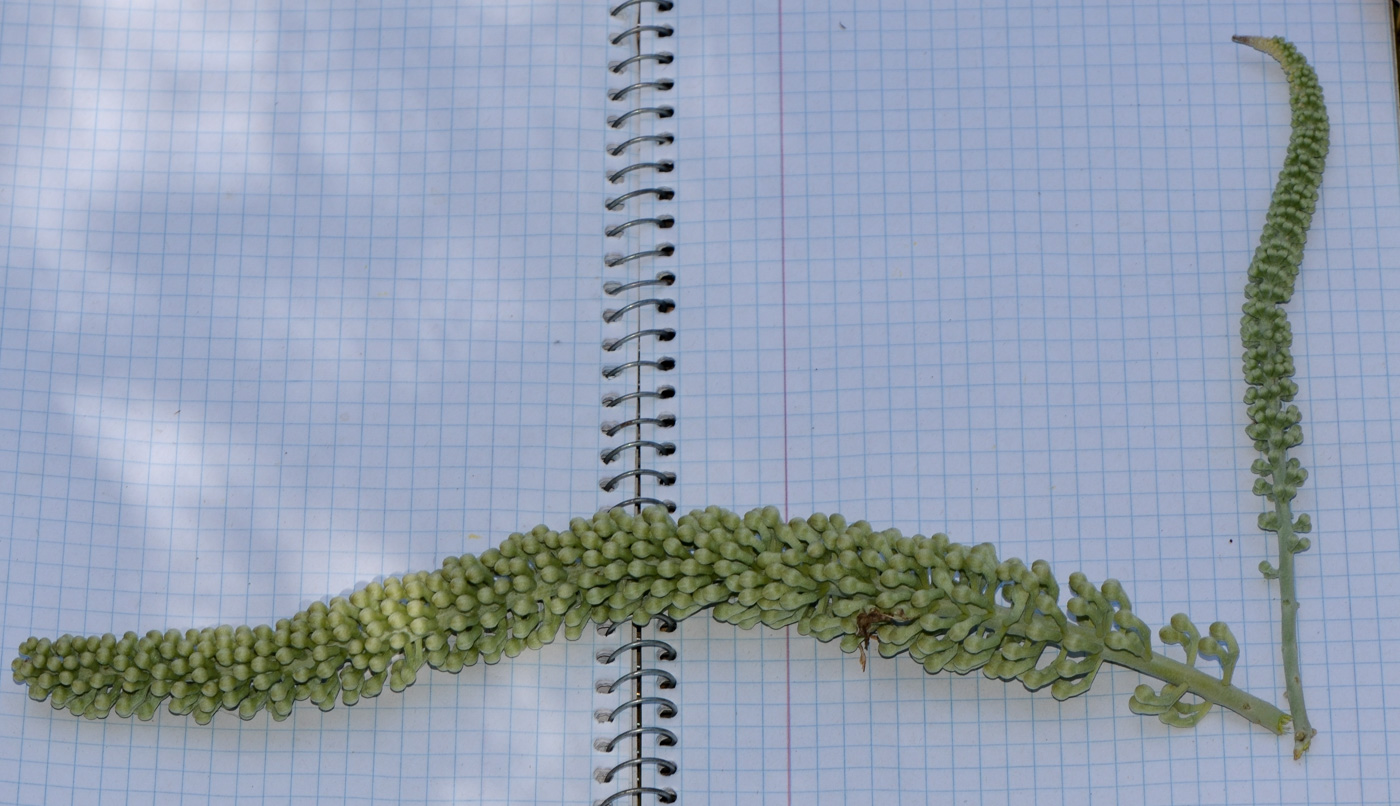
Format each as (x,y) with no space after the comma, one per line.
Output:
(949,606)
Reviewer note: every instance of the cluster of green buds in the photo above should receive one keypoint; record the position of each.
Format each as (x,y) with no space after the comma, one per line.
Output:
(1264,329)
(949,606)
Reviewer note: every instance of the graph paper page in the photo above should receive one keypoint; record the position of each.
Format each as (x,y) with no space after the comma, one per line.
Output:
(293,302)
(296,300)
(977,269)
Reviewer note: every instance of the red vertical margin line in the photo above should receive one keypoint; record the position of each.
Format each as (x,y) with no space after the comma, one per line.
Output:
(782,284)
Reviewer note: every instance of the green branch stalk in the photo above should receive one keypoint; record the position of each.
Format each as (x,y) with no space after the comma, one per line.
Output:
(1261,712)
(1303,731)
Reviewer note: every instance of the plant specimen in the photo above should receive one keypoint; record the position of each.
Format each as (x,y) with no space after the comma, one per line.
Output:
(1268,364)
(949,606)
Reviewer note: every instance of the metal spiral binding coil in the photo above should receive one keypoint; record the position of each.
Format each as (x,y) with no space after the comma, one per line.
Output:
(637,301)
(641,162)
(631,682)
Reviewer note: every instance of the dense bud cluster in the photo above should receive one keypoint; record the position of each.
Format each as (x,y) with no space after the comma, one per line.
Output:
(949,606)
(1264,329)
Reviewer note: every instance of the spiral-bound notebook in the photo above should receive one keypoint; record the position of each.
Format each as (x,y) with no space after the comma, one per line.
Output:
(297,299)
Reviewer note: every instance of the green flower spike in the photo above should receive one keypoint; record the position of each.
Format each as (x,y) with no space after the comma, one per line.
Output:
(948,606)
(1268,364)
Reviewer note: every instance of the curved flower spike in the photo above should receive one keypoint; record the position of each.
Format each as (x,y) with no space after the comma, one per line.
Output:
(942,609)
(1267,336)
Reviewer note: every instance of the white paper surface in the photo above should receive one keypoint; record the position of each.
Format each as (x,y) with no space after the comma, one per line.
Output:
(296,299)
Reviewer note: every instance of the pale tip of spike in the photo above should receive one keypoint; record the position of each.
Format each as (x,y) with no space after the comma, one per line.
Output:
(1263,44)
